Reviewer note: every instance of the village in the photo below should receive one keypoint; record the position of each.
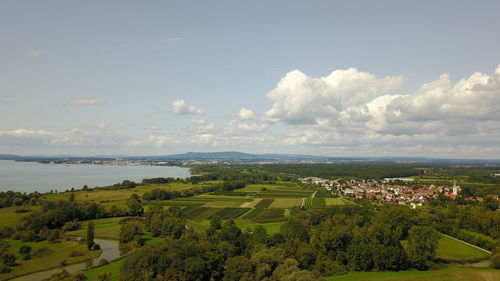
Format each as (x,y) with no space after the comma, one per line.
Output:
(388,190)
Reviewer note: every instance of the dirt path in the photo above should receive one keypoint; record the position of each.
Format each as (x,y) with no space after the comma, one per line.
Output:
(250,204)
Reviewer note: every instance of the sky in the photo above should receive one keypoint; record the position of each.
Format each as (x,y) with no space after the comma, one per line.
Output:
(332,78)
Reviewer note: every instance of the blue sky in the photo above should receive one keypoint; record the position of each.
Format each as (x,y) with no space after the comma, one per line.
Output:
(358,78)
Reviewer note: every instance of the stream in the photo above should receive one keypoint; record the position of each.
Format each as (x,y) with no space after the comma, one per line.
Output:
(110,251)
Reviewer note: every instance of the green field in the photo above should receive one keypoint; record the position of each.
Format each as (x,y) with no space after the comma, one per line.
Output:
(230,213)
(113,268)
(271,227)
(52,257)
(447,274)
(336,202)
(314,202)
(118,197)
(200,213)
(9,217)
(264,203)
(286,202)
(450,249)
(283,194)
(104,228)
(270,215)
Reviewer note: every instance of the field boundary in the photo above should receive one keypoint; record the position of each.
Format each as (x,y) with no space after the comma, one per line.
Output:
(467,243)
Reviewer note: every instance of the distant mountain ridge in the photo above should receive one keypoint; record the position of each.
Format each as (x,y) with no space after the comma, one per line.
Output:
(239,155)
(236,156)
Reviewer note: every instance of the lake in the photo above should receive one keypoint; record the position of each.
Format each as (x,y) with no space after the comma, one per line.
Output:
(33,176)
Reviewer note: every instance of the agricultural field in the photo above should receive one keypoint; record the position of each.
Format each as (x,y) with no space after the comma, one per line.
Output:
(269,215)
(264,203)
(108,228)
(230,213)
(286,203)
(446,274)
(198,214)
(453,250)
(50,255)
(283,194)
(337,202)
(118,197)
(314,202)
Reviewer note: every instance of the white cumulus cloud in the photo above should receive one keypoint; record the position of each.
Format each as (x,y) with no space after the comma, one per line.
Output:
(180,107)
(244,114)
(300,99)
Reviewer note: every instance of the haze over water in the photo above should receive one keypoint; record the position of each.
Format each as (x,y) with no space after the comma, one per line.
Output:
(32,176)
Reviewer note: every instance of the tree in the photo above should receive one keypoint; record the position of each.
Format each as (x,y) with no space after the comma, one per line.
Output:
(71,197)
(90,235)
(25,251)
(490,203)
(236,267)
(129,231)
(134,205)
(295,229)
(422,244)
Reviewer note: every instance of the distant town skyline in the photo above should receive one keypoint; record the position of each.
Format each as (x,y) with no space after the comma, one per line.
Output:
(332,78)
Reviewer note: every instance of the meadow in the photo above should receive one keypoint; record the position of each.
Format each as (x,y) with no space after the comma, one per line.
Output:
(50,255)
(453,250)
(446,274)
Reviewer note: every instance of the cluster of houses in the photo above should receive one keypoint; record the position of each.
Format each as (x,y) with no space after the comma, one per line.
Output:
(388,191)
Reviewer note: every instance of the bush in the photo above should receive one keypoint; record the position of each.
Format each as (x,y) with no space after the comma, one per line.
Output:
(96,247)
(4,269)
(495,259)
(75,254)
(71,226)
(103,262)
(6,232)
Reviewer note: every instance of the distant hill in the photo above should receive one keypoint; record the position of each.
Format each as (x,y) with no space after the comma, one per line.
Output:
(234,155)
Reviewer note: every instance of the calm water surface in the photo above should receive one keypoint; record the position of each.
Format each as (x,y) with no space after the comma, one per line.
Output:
(32,176)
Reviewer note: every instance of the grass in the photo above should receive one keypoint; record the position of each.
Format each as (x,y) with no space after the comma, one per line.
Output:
(9,217)
(286,202)
(113,268)
(336,202)
(315,202)
(117,197)
(446,274)
(271,227)
(108,228)
(58,252)
(450,249)
(270,215)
